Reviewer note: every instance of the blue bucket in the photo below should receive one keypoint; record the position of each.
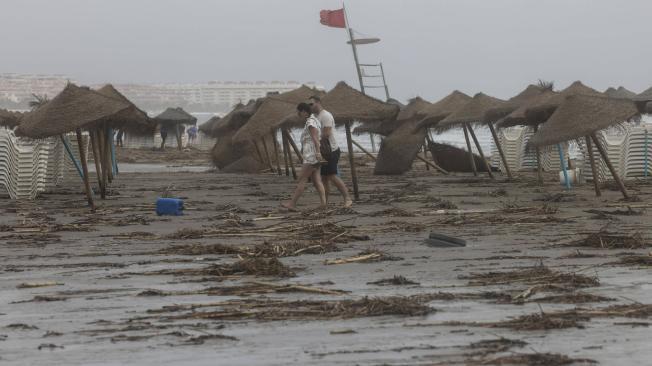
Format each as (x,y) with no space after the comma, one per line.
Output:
(169,206)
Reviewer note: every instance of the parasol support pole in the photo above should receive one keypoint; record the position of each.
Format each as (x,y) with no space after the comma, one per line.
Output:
(285,154)
(294,146)
(468,147)
(596,183)
(605,158)
(114,162)
(101,145)
(433,165)
(538,152)
(499,147)
(96,159)
(354,175)
(278,160)
(286,145)
(562,161)
(269,158)
(179,142)
(425,153)
(66,145)
(477,145)
(107,153)
(82,157)
(363,149)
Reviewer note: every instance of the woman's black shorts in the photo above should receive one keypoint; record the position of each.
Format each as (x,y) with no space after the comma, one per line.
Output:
(331,167)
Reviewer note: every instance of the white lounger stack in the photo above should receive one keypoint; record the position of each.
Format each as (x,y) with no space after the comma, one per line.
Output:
(28,167)
(640,140)
(514,142)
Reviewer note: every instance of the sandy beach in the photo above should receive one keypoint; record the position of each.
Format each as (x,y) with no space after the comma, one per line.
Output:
(547,276)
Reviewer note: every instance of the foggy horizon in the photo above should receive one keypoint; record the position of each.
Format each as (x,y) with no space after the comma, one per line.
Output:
(428,48)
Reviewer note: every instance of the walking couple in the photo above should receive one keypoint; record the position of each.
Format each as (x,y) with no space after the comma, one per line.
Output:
(321,154)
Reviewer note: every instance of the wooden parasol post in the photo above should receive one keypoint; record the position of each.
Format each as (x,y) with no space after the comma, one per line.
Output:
(499,147)
(260,156)
(605,158)
(596,183)
(82,157)
(278,161)
(96,159)
(538,152)
(289,138)
(269,158)
(477,145)
(107,154)
(289,156)
(284,145)
(354,176)
(468,147)
(179,143)
(102,147)
(425,154)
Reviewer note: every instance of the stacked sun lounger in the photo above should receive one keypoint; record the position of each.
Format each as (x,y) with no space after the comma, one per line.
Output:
(520,156)
(639,152)
(511,140)
(28,167)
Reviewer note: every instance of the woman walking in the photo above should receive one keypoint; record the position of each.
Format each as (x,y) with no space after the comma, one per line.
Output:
(311,158)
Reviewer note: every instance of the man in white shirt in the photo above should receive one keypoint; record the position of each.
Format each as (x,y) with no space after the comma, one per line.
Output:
(329,171)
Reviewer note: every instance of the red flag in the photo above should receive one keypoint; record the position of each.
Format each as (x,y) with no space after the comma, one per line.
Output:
(332,18)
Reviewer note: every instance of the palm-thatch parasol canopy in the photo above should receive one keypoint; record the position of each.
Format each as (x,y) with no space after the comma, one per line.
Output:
(439,110)
(237,118)
(398,150)
(348,104)
(645,95)
(273,111)
(407,114)
(9,119)
(517,117)
(207,127)
(621,92)
(75,107)
(473,111)
(531,92)
(541,111)
(132,119)
(580,115)
(175,116)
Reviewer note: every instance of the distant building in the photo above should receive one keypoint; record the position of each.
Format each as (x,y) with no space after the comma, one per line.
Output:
(215,96)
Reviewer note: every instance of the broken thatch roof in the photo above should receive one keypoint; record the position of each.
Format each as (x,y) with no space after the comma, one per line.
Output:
(348,104)
(399,149)
(517,117)
(407,114)
(273,111)
(645,95)
(531,92)
(439,110)
(237,118)
(75,107)
(207,127)
(471,112)
(541,111)
(580,115)
(131,119)
(9,119)
(175,116)
(621,92)
(454,159)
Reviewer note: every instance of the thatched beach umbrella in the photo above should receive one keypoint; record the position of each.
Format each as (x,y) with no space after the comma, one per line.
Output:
(408,113)
(74,109)
(471,112)
(173,118)
(581,116)
(434,113)
(544,108)
(133,119)
(207,127)
(621,93)
(9,119)
(398,150)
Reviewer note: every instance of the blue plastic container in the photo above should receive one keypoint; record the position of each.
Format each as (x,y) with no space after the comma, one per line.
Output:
(169,206)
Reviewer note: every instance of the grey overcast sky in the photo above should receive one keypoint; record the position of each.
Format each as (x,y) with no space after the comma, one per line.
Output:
(429,47)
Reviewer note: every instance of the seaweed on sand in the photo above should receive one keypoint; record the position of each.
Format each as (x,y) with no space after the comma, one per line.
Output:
(267,309)
(604,239)
(397,280)
(537,275)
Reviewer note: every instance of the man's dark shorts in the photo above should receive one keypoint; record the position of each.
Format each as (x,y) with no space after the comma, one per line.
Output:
(331,167)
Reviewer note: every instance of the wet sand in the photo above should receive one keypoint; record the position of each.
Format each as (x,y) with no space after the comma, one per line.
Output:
(124,286)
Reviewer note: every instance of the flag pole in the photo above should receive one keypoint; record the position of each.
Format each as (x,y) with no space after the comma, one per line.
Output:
(353,47)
